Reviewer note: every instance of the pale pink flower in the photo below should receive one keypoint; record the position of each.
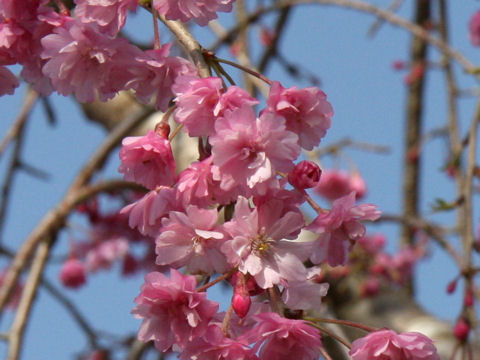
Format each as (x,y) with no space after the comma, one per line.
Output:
(110,15)
(154,74)
(214,345)
(200,11)
(147,160)
(191,239)
(339,228)
(146,214)
(372,244)
(72,273)
(305,175)
(200,101)
(257,244)
(195,186)
(388,345)
(307,112)
(249,151)
(335,184)
(305,293)
(103,254)
(173,312)
(8,81)
(82,60)
(280,338)
(474,29)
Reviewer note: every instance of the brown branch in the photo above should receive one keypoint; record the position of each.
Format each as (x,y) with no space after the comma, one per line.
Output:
(54,219)
(393,7)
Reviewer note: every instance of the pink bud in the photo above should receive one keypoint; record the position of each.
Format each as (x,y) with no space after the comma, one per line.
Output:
(357,184)
(451,287)
(72,273)
(241,304)
(462,329)
(468,300)
(370,287)
(306,174)
(398,65)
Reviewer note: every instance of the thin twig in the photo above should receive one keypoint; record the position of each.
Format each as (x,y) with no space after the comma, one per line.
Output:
(393,7)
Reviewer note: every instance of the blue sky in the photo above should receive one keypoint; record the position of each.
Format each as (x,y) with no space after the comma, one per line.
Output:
(368,99)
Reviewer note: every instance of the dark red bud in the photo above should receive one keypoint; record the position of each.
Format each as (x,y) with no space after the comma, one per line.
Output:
(241,304)
(305,175)
(162,129)
(452,286)
(461,329)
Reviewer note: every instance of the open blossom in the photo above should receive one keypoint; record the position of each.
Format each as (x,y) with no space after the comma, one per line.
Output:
(191,239)
(201,100)
(257,244)
(305,293)
(248,151)
(280,338)
(201,11)
(214,345)
(474,29)
(81,59)
(110,15)
(388,345)
(306,111)
(173,312)
(154,74)
(146,213)
(337,183)
(147,160)
(339,228)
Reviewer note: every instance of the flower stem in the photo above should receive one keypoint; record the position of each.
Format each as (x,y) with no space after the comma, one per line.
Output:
(341,322)
(217,280)
(331,334)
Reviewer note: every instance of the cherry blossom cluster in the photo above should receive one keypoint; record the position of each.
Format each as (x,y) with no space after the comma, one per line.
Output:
(233,215)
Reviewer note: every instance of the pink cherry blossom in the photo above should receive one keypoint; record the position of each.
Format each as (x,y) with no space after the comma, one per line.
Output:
(307,112)
(474,29)
(388,345)
(191,239)
(201,11)
(110,15)
(339,228)
(8,81)
(106,252)
(335,184)
(305,293)
(280,338)
(72,273)
(214,345)
(248,151)
(195,186)
(81,59)
(147,160)
(154,73)
(146,213)
(257,244)
(173,312)
(201,100)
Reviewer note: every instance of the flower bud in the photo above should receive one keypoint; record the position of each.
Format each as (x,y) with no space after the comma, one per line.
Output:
(461,329)
(162,129)
(468,300)
(72,274)
(306,174)
(451,287)
(241,304)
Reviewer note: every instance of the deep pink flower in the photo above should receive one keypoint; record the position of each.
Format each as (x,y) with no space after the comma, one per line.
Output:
(337,183)
(173,312)
(339,228)
(248,151)
(200,101)
(154,74)
(147,160)
(257,244)
(305,175)
(110,15)
(307,112)
(146,214)
(81,59)
(191,239)
(214,345)
(201,11)
(72,273)
(280,338)
(195,186)
(474,29)
(8,81)
(388,345)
